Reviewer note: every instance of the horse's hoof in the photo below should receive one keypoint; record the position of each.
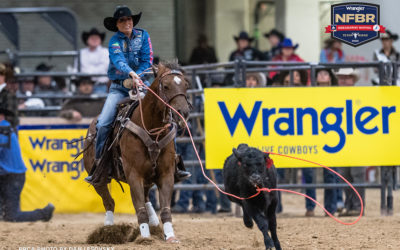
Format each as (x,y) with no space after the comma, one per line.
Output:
(172,240)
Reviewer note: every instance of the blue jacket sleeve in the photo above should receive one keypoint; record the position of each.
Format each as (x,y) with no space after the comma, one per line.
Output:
(146,54)
(117,57)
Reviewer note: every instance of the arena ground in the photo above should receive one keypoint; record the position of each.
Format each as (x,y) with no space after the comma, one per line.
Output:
(208,231)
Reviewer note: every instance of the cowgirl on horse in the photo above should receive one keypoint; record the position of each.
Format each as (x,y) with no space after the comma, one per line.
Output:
(130,53)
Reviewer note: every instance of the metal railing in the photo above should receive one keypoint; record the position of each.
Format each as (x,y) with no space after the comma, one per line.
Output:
(239,69)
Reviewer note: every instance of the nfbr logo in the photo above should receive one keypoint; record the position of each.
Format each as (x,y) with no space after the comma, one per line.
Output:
(355,23)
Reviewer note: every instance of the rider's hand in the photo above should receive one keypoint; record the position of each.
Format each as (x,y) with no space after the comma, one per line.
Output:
(135,78)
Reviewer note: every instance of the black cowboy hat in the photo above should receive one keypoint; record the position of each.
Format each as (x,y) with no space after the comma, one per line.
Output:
(111,22)
(243,35)
(389,35)
(275,32)
(83,79)
(93,31)
(43,67)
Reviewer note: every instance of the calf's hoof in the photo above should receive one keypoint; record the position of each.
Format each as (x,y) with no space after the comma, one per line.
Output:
(248,222)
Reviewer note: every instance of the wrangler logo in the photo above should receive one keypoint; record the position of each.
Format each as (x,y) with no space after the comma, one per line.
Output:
(289,121)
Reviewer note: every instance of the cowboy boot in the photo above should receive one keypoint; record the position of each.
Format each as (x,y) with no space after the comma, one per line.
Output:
(89,178)
(180,170)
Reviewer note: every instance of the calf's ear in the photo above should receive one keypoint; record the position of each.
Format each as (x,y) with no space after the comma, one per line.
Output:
(237,154)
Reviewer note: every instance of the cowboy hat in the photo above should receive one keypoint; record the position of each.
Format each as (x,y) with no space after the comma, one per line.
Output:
(287,43)
(243,35)
(43,67)
(348,72)
(389,35)
(83,79)
(110,23)
(93,31)
(275,32)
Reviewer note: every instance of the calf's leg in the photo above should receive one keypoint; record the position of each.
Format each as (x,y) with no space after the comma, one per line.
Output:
(261,222)
(272,222)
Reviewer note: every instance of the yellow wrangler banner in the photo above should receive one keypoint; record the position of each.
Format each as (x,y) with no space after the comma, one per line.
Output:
(336,126)
(53,176)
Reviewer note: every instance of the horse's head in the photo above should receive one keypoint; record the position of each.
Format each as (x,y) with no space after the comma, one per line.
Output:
(172,87)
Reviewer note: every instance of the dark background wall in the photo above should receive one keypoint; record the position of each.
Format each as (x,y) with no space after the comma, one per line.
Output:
(37,35)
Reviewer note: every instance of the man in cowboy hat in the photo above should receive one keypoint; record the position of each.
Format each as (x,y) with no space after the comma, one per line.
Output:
(244,50)
(274,37)
(94,58)
(12,176)
(347,77)
(387,54)
(131,54)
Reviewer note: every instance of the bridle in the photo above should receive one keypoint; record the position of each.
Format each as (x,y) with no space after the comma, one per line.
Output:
(161,92)
(167,114)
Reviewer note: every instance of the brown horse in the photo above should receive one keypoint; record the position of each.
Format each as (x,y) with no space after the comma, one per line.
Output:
(141,169)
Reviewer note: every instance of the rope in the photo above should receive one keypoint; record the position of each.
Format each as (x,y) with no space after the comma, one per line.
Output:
(259,190)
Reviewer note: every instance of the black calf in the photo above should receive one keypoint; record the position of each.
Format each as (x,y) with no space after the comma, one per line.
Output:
(245,170)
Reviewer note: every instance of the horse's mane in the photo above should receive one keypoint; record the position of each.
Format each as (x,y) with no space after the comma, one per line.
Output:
(172,65)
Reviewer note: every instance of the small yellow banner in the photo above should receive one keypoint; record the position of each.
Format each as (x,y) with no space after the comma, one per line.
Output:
(53,176)
(334,126)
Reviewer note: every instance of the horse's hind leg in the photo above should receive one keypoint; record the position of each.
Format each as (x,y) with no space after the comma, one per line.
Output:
(108,203)
(153,219)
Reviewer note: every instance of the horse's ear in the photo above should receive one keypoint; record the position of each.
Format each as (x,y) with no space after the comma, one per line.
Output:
(155,70)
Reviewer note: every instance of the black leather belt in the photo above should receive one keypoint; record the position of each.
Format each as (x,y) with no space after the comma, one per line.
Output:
(118,81)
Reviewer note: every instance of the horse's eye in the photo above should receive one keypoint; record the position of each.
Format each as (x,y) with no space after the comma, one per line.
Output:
(166,87)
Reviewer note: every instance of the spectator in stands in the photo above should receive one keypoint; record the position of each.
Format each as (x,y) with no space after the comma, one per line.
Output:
(244,50)
(86,106)
(325,77)
(28,89)
(12,178)
(332,52)
(203,53)
(287,54)
(6,97)
(352,205)
(94,58)
(275,38)
(255,79)
(47,85)
(347,77)
(387,54)
(300,78)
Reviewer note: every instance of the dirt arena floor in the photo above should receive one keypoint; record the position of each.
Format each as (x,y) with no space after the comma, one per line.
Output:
(208,231)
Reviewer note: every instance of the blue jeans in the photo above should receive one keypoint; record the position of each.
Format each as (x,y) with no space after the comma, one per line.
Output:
(10,190)
(187,152)
(308,175)
(330,195)
(108,113)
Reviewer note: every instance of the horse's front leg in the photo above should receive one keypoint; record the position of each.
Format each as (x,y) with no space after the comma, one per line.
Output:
(138,199)
(165,186)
